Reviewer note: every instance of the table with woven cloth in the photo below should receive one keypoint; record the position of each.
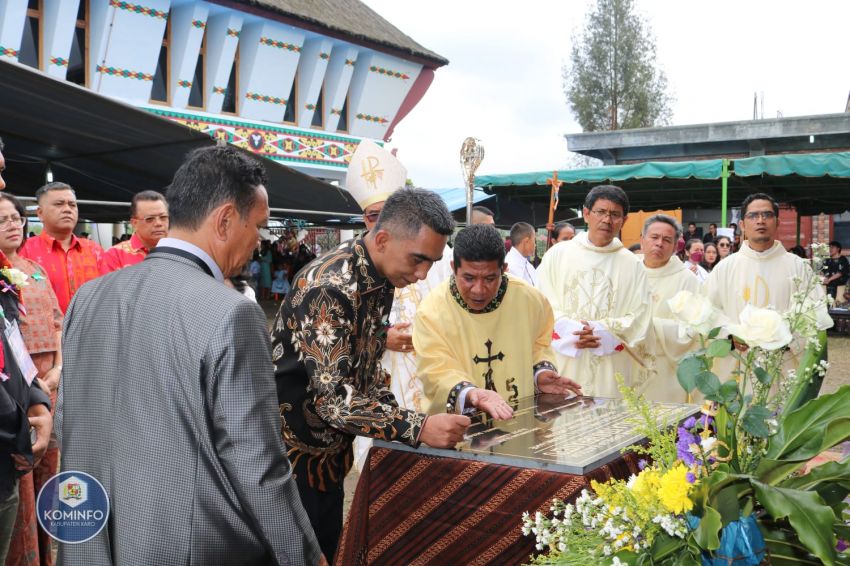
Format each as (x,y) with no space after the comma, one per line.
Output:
(464,506)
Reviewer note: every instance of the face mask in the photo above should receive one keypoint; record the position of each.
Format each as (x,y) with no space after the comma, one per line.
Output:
(696,257)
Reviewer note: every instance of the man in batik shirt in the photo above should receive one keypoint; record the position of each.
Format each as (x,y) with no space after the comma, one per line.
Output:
(328,339)
(149,218)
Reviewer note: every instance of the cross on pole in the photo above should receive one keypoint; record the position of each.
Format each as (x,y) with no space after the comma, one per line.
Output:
(553,204)
(488,375)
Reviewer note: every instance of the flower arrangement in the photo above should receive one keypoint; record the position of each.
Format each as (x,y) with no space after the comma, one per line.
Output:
(727,486)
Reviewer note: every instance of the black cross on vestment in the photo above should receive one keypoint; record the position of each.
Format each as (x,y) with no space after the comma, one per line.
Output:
(488,375)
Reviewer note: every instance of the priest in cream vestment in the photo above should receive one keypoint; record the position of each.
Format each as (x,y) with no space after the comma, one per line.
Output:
(482,337)
(599,294)
(667,340)
(761,274)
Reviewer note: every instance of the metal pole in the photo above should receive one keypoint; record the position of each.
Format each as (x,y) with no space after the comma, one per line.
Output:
(724,184)
(798,225)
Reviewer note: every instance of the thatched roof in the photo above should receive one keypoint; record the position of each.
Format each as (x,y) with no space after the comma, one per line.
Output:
(351,20)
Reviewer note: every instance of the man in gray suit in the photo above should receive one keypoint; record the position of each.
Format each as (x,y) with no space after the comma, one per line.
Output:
(168,395)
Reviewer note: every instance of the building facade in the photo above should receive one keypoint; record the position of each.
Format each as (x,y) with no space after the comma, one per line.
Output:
(300,82)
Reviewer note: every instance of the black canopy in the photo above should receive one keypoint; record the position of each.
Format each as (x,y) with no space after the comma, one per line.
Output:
(109,151)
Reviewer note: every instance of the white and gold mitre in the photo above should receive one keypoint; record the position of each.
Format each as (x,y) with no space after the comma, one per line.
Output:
(373,174)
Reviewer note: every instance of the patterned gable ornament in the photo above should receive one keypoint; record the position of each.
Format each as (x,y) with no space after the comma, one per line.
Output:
(373,174)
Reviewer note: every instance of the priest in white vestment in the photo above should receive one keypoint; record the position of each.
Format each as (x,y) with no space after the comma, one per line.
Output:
(761,274)
(523,244)
(667,341)
(599,294)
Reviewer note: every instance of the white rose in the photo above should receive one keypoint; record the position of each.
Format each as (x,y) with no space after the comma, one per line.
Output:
(762,328)
(696,311)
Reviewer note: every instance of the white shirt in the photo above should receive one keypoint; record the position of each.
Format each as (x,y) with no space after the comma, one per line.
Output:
(519,266)
(701,273)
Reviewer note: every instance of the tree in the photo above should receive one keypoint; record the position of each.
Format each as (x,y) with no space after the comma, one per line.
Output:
(611,81)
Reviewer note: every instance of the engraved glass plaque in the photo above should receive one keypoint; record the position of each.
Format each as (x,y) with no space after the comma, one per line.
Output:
(573,436)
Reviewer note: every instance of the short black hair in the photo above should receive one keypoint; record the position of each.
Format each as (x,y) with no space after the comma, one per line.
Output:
(50,187)
(521,231)
(407,210)
(559,227)
(759,196)
(694,224)
(835,243)
(607,192)
(144,196)
(483,210)
(209,178)
(479,242)
(712,224)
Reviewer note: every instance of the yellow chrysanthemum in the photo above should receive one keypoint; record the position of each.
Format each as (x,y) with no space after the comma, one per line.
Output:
(646,484)
(673,490)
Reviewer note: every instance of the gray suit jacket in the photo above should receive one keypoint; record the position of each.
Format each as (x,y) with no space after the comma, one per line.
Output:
(168,398)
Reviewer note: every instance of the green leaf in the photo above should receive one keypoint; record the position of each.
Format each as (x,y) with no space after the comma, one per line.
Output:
(719,349)
(687,372)
(727,504)
(762,375)
(830,480)
(785,548)
(754,421)
(664,545)
(709,525)
(809,516)
(708,383)
(714,332)
(728,391)
(805,390)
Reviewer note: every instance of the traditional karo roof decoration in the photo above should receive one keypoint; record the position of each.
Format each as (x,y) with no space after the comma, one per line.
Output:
(286,145)
(199,24)
(375,119)
(280,44)
(349,62)
(388,73)
(233,32)
(336,111)
(324,56)
(116,72)
(185,84)
(138,9)
(8,52)
(352,20)
(219,90)
(59,61)
(265,98)
(310,106)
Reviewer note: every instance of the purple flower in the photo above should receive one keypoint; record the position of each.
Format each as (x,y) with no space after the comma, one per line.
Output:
(690,477)
(842,545)
(642,464)
(683,446)
(689,423)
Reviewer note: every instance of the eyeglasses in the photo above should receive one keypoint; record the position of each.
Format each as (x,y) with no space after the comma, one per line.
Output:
(14,220)
(722,245)
(154,218)
(763,214)
(613,215)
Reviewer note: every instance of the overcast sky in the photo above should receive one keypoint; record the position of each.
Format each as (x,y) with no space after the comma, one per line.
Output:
(503,83)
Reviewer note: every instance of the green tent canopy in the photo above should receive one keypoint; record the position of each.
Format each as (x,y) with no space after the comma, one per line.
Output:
(812,182)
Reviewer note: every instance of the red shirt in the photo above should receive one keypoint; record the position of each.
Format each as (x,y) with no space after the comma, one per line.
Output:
(67,270)
(124,254)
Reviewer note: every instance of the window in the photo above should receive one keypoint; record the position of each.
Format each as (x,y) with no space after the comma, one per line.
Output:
(317,111)
(196,93)
(342,125)
(291,102)
(31,41)
(77,60)
(229,104)
(159,91)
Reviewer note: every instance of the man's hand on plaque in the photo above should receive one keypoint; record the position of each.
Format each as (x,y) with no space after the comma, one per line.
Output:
(490,402)
(550,382)
(398,340)
(586,338)
(444,430)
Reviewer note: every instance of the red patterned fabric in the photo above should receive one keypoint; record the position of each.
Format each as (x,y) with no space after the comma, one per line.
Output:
(416,509)
(67,270)
(124,254)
